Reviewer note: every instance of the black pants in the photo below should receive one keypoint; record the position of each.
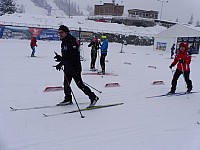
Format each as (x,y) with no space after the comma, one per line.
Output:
(102,62)
(93,59)
(177,74)
(78,80)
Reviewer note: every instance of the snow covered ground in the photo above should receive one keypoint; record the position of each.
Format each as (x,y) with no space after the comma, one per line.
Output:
(167,123)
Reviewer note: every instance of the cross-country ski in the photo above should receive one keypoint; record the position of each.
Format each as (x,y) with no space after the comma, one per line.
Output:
(84,109)
(41,107)
(169,95)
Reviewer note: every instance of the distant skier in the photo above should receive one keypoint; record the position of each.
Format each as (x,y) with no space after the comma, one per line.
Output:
(182,59)
(95,47)
(172,51)
(104,51)
(191,49)
(33,44)
(70,59)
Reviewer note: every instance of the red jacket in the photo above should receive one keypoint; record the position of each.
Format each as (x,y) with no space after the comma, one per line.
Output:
(185,57)
(33,42)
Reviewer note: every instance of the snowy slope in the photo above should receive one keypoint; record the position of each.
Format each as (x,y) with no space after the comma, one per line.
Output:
(37,17)
(56,12)
(77,21)
(167,123)
(30,7)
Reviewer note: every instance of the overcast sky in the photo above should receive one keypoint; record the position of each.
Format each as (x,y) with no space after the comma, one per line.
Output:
(181,9)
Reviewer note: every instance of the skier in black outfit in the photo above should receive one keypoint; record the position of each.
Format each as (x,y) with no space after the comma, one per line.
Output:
(95,46)
(70,59)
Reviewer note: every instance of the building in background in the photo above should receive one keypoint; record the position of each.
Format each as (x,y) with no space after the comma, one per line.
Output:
(110,9)
(150,14)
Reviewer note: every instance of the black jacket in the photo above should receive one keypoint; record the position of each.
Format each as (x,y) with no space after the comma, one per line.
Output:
(94,45)
(70,54)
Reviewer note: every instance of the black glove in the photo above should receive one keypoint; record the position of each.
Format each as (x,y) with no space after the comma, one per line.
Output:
(171,66)
(58,58)
(58,66)
(181,61)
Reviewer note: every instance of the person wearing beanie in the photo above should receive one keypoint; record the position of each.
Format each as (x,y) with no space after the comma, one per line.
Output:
(94,44)
(70,59)
(104,51)
(64,28)
(182,59)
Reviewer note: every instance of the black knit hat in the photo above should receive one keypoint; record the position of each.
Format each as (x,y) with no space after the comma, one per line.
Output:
(64,28)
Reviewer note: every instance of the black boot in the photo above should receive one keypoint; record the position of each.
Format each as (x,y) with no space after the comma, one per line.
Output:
(93,99)
(66,101)
(189,89)
(171,92)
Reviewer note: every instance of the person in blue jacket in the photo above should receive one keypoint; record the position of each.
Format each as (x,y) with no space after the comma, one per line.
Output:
(172,51)
(104,51)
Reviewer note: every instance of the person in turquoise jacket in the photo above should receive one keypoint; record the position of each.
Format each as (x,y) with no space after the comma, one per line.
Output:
(104,51)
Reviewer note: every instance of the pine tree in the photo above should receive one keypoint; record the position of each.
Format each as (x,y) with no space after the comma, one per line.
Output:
(7,6)
(69,7)
(198,24)
(191,19)
(90,10)
(1,13)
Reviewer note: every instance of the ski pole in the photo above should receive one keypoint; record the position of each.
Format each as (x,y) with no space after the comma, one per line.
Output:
(73,95)
(172,72)
(93,88)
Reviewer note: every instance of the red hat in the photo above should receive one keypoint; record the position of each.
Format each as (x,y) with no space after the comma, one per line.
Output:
(184,44)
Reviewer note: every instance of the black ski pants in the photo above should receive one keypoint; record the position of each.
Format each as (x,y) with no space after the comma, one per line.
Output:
(93,59)
(102,62)
(78,80)
(186,75)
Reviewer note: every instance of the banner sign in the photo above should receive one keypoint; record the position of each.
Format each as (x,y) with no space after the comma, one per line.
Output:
(49,34)
(161,46)
(35,31)
(15,32)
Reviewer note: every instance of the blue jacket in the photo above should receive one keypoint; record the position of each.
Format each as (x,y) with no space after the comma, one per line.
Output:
(104,47)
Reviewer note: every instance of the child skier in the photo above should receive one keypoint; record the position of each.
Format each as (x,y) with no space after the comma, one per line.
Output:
(182,59)
(33,44)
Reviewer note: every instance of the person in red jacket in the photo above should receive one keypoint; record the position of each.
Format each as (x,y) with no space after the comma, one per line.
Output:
(33,44)
(182,59)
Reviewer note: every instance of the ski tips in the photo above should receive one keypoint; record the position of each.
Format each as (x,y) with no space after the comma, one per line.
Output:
(12,109)
(45,115)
